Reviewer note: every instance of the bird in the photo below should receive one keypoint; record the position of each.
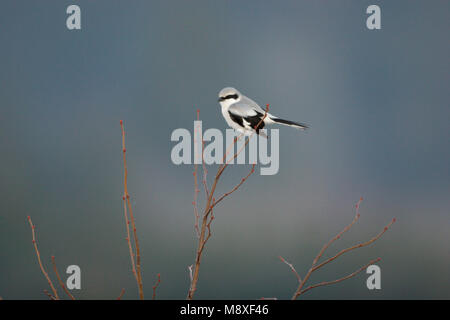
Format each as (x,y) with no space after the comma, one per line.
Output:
(243,114)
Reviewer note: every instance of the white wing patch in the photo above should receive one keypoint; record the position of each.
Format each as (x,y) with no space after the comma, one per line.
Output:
(247,124)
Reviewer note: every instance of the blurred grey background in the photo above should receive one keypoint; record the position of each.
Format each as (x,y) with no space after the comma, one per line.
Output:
(377,103)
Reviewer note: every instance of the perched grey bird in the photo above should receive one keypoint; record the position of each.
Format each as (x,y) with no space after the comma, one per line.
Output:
(243,114)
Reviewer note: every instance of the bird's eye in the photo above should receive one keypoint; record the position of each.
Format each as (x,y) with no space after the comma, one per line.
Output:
(230,96)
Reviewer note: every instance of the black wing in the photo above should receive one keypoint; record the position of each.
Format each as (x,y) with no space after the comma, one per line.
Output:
(252,120)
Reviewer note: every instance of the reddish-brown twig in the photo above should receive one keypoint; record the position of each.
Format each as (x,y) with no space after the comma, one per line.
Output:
(226,194)
(205,170)
(158,281)
(325,283)
(292,268)
(356,246)
(207,216)
(61,283)
(49,295)
(133,225)
(226,163)
(209,225)
(194,203)
(55,293)
(315,266)
(195,173)
(130,247)
(121,294)
(338,236)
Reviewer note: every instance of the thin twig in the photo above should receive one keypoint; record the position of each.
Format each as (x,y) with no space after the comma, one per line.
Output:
(240,149)
(130,247)
(133,225)
(236,187)
(316,266)
(55,293)
(325,283)
(121,294)
(210,204)
(49,295)
(205,171)
(231,147)
(208,226)
(61,283)
(292,268)
(338,236)
(138,255)
(205,183)
(194,203)
(360,245)
(196,189)
(224,165)
(158,281)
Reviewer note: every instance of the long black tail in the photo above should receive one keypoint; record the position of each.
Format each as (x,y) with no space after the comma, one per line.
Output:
(297,125)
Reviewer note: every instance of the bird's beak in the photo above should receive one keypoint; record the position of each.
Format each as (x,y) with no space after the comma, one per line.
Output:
(220,99)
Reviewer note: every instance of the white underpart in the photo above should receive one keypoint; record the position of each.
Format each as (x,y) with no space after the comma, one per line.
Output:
(225,105)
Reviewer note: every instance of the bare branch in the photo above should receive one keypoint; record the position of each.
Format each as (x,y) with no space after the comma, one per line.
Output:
(61,283)
(130,247)
(205,171)
(341,279)
(360,245)
(55,293)
(158,281)
(194,203)
(292,268)
(338,236)
(209,228)
(133,225)
(195,173)
(229,148)
(316,266)
(236,187)
(210,204)
(121,294)
(49,295)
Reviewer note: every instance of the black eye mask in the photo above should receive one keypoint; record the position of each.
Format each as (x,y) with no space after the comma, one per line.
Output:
(230,96)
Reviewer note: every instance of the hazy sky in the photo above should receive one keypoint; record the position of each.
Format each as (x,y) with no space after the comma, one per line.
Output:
(377,102)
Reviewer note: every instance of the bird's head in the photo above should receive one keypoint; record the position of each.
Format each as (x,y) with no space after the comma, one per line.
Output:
(230,95)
